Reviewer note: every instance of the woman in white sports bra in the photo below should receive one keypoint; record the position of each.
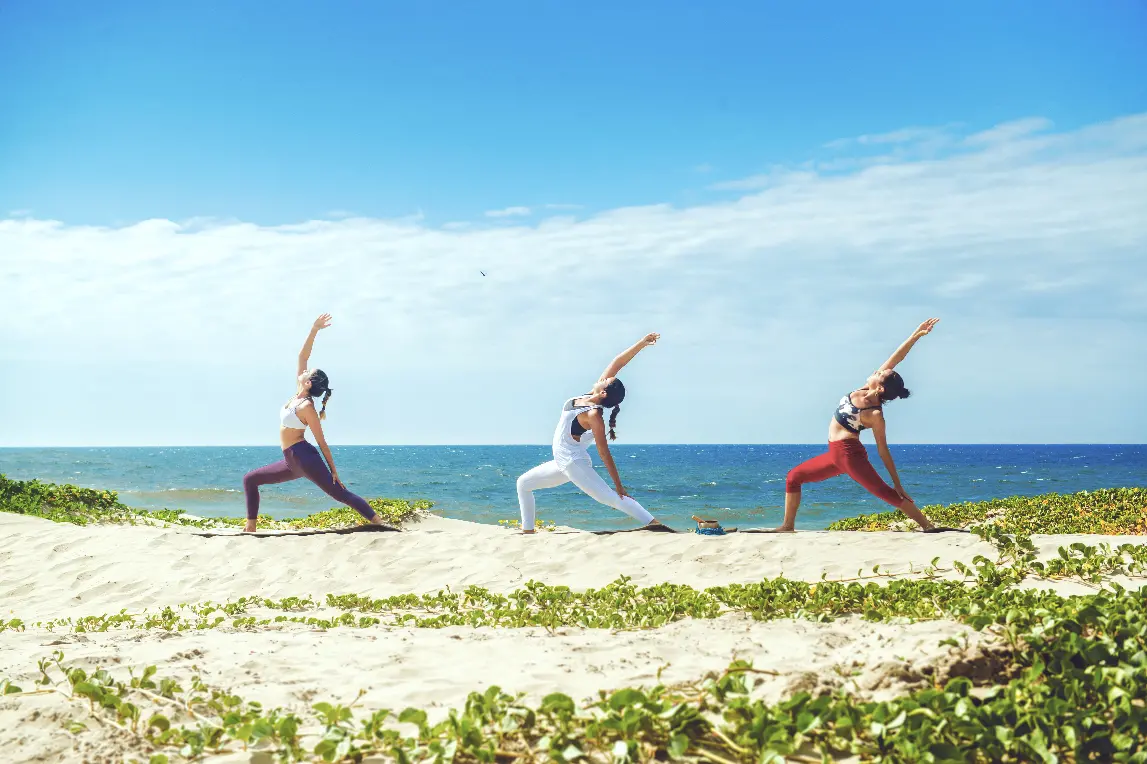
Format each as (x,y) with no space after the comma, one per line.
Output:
(581,425)
(300,458)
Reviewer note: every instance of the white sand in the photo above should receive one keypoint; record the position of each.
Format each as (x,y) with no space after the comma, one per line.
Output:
(50,570)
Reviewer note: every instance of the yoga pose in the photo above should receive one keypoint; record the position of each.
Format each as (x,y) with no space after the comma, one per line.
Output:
(300,458)
(861,410)
(581,424)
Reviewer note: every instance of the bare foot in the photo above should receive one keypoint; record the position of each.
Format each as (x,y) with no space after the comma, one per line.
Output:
(781,529)
(530,532)
(250,527)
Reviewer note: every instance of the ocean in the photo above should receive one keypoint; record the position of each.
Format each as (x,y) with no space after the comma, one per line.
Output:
(742,485)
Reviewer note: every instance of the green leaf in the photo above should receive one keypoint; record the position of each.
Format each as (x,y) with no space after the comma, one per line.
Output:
(678,745)
(413,716)
(88,690)
(626,697)
(556,703)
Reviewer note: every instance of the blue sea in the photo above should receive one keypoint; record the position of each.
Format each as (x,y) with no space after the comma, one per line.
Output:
(741,485)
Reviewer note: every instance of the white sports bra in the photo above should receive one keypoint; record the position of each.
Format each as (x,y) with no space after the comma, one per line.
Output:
(566,449)
(288,417)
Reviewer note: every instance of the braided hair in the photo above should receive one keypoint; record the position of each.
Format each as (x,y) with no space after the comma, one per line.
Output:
(614,395)
(321,385)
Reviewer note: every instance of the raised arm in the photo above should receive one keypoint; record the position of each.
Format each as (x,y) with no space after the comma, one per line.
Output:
(619,363)
(902,351)
(322,322)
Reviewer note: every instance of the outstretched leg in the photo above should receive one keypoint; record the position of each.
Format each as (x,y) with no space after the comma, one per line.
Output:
(543,476)
(814,470)
(860,469)
(279,472)
(582,474)
(310,463)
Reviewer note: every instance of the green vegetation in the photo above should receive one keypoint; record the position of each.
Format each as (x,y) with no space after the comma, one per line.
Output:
(1070,690)
(1065,682)
(1114,511)
(539,524)
(81,506)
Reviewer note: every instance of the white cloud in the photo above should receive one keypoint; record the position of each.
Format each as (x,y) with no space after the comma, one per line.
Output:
(776,178)
(901,136)
(509,212)
(754,296)
(1010,131)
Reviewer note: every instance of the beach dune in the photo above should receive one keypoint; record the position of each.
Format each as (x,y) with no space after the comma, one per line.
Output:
(50,571)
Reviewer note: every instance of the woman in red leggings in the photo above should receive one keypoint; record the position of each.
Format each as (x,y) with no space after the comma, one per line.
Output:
(861,410)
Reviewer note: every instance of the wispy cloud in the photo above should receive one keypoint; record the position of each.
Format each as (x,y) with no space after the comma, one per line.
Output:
(775,178)
(894,137)
(1018,229)
(1010,131)
(509,212)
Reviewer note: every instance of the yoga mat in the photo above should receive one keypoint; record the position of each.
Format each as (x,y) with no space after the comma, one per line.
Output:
(307,532)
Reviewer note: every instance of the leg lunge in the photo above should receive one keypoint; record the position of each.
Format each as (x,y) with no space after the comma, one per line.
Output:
(813,470)
(310,463)
(585,477)
(860,469)
(543,476)
(279,472)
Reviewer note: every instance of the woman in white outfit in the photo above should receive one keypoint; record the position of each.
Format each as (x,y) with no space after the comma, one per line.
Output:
(581,425)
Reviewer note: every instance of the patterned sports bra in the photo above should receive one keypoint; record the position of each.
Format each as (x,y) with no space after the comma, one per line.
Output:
(848,415)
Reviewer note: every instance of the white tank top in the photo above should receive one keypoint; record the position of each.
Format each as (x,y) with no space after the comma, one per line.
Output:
(566,449)
(288,417)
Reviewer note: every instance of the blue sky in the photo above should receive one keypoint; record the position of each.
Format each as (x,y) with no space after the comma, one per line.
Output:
(784,190)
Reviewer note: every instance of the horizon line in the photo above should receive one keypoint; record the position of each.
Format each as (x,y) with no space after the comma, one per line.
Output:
(524,445)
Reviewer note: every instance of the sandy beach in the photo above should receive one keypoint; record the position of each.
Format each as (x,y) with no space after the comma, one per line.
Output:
(50,571)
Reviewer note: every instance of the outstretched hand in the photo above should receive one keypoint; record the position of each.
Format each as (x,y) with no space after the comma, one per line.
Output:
(322,322)
(650,339)
(925,327)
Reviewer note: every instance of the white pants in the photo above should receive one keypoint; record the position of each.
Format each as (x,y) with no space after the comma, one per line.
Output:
(582,474)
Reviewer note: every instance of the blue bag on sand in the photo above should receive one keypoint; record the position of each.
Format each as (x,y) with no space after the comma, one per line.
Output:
(718,531)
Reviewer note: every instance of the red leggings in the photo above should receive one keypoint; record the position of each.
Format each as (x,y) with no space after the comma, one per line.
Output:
(844,456)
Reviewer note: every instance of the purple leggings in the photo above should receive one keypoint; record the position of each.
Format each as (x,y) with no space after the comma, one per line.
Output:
(300,460)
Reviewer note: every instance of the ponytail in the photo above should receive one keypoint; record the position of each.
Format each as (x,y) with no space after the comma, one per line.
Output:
(613,422)
(323,410)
